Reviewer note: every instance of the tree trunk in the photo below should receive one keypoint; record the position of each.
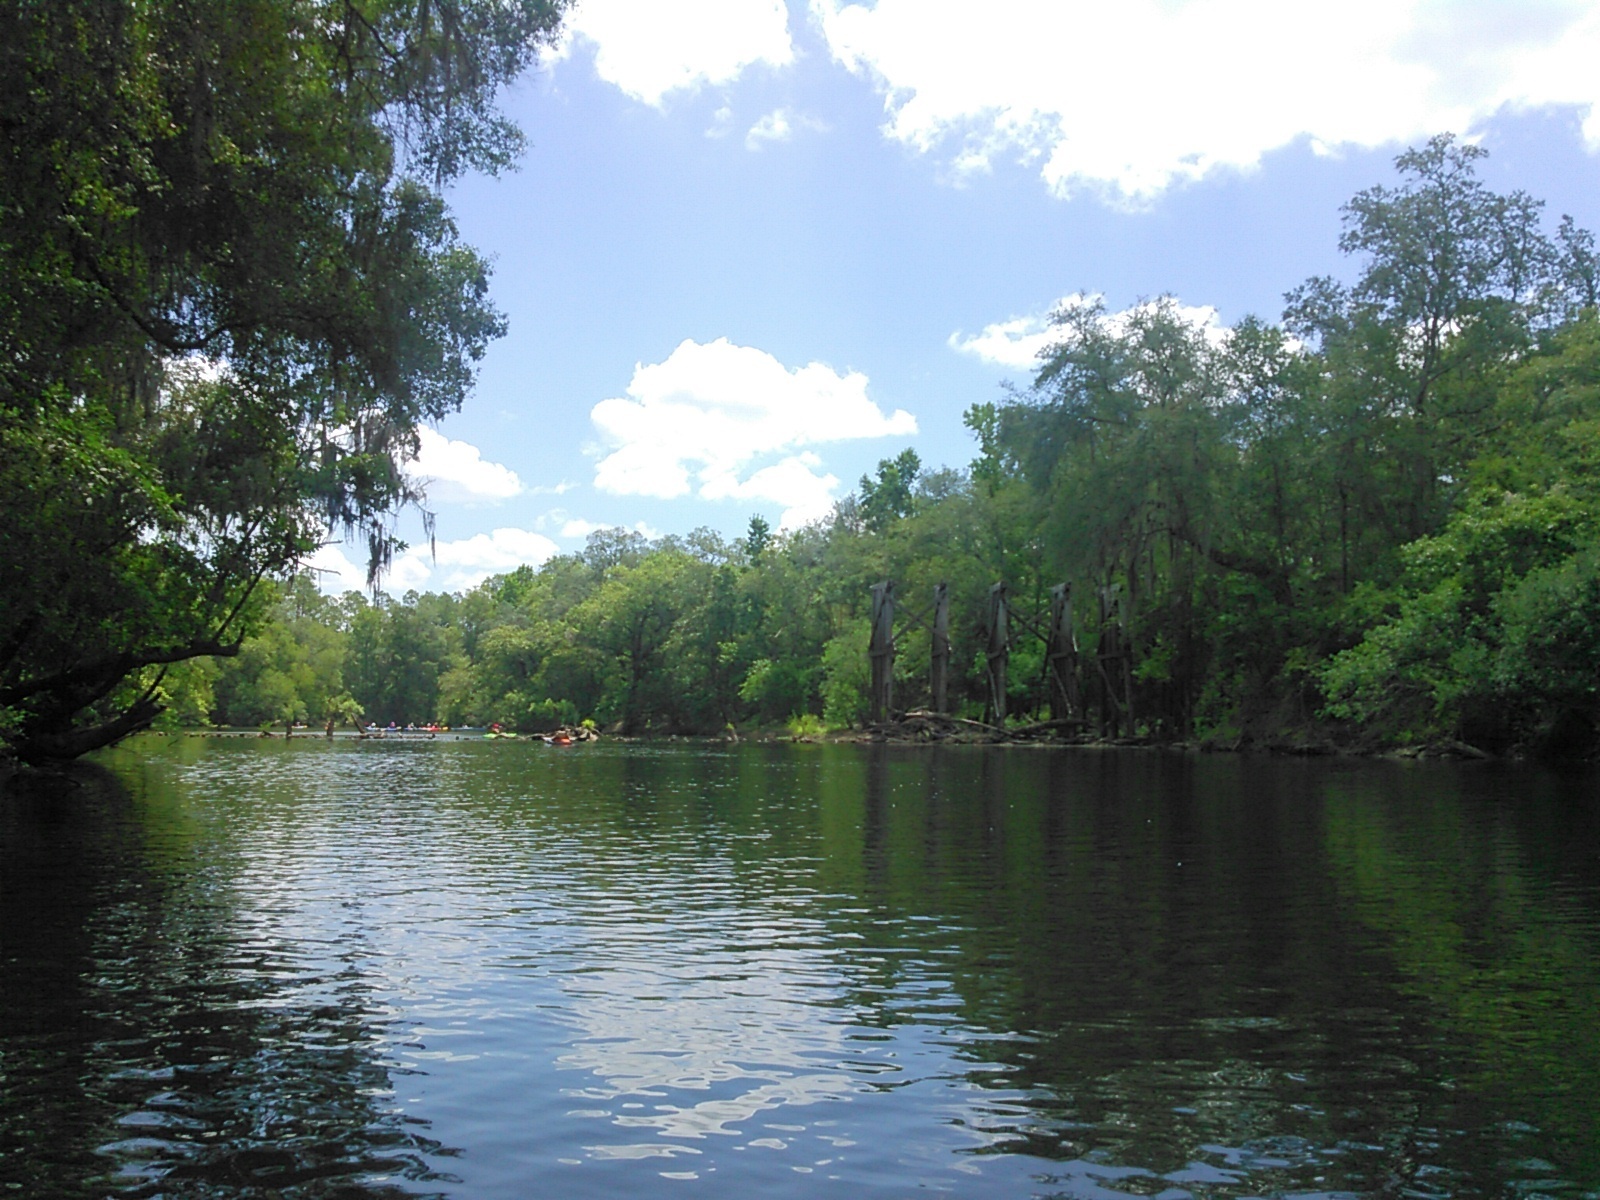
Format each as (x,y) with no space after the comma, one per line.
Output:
(40,748)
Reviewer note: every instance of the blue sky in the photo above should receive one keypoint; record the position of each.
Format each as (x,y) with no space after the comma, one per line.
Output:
(754,247)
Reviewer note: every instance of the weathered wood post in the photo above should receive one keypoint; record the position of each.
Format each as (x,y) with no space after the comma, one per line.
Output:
(881,651)
(1125,652)
(997,652)
(1061,656)
(1114,659)
(940,673)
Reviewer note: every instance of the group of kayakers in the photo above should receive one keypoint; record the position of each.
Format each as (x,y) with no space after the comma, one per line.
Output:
(565,736)
(374,729)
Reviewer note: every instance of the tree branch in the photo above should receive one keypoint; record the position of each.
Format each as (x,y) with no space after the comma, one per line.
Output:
(60,747)
(118,665)
(1277,582)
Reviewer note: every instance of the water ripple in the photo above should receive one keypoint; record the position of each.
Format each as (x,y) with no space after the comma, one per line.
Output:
(465,969)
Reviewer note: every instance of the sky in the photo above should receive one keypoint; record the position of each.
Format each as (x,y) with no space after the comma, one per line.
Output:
(756,246)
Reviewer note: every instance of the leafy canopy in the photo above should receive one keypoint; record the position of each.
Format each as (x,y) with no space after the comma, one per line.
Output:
(229,292)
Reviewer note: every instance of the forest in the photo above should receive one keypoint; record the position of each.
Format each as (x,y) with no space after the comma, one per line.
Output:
(230,291)
(1373,523)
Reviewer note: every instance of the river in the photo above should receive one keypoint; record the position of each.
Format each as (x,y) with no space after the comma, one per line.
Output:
(235,968)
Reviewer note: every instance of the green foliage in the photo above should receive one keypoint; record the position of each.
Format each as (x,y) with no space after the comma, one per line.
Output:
(890,495)
(292,671)
(1481,609)
(757,539)
(806,727)
(990,468)
(846,676)
(776,690)
(230,290)
(1551,639)
(542,716)
(1381,517)
(188,694)
(399,654)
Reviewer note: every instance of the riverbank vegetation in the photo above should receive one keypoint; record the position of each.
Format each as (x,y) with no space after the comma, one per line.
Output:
(1376,522)
(230,291)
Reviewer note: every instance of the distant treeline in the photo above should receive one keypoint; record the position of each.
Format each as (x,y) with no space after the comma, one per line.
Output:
(1378,519)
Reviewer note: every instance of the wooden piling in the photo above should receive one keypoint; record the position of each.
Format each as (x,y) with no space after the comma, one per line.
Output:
(1061,656)
(880,650)
(940,671)
(997,651)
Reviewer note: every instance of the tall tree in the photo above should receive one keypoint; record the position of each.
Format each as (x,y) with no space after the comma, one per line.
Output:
(1455,280)
(890,495)
(229,292)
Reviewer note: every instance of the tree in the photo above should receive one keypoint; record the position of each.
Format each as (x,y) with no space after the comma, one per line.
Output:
(1126,439)
(628,621)
(890,495)
(1455,282)
(1347,523)
(292,670)
(230,290)
(1491,634)
(757,539)
(1451,268)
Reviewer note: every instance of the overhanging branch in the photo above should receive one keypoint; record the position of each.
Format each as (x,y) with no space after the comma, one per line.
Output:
(116,666)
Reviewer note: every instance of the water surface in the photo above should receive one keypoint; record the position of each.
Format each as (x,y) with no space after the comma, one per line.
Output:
(239,968)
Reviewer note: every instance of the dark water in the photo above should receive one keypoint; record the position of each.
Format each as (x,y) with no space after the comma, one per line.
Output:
(484,970)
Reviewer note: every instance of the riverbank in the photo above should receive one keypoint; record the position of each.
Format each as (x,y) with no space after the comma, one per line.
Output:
(921,729)
(926,728)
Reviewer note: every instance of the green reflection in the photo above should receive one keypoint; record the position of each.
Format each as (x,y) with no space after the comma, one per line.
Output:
(1272,976)
(148,1044)
(1505,960)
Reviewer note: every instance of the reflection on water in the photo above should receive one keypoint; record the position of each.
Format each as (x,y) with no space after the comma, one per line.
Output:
(154,1042)
(239,969)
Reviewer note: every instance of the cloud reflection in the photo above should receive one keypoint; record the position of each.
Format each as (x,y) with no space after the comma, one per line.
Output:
(745,1028)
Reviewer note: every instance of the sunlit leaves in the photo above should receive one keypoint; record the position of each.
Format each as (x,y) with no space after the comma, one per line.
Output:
(229,292)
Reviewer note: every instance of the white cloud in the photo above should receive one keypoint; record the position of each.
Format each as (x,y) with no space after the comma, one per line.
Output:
(721,123)
(457,473)
(1014,343)
(409,572)
(793,483)
(451,566)
(334,571)
(774,127)
(579,528)
(779,125)
(468,562)
(710,412)
(1141,94)
(649,48)
(1018,342)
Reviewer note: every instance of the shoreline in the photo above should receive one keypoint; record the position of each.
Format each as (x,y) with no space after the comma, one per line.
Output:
(945,732)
